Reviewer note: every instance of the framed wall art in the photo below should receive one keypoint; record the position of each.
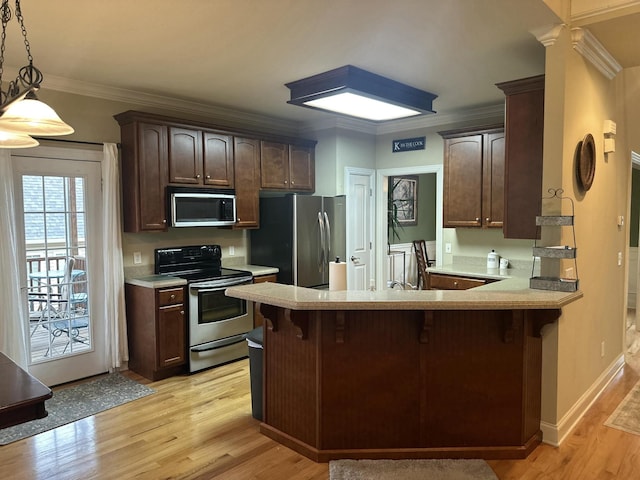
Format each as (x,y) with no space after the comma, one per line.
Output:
(404,199)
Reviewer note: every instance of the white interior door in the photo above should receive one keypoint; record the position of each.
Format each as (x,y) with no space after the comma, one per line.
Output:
(58,215)
(360,229)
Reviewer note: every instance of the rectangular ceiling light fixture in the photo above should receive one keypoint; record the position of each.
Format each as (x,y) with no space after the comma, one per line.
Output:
(355,92)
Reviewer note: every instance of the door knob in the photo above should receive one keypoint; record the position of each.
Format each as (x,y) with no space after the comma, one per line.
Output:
(355,259)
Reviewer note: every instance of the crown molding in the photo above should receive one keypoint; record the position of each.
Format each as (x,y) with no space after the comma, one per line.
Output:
(585,43)
(548,34)
(225,115)
(214,113)
(606,11)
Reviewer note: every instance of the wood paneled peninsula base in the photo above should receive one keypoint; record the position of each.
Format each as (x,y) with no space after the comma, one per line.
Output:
(403,374)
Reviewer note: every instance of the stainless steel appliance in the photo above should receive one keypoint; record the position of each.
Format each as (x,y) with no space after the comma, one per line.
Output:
(217,323)
(200,207)
(300,234)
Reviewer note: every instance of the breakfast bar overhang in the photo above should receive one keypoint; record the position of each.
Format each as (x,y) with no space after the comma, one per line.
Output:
(404,373)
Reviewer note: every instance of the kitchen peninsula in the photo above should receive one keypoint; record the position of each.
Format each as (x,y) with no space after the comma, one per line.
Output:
(404,373)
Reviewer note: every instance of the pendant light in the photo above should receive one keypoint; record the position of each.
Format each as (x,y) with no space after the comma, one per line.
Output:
(16,140)
(21,113)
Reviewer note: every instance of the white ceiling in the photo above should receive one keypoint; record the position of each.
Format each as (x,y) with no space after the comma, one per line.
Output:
(239,53)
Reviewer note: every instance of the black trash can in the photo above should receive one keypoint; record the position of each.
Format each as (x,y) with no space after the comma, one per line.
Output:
(254,339)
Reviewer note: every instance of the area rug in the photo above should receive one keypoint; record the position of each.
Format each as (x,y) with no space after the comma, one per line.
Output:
(627,416)
(83,400)
(410,470)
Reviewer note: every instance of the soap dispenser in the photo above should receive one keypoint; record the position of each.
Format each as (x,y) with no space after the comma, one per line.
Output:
(493,259)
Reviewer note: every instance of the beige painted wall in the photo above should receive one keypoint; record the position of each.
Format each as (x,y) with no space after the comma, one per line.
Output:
(578,100)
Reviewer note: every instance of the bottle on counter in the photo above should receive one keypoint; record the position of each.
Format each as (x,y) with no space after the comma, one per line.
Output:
(493,259)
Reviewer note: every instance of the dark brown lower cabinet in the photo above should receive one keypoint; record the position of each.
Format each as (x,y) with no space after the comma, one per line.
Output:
(157,331)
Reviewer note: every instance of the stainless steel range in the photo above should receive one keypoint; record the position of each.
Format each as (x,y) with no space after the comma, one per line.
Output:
(217,323)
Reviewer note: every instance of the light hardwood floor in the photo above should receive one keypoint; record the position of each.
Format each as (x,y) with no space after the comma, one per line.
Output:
(200,427)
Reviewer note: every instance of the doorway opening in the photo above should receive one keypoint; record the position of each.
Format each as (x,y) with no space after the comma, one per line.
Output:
(58,215)
(632,329)
(401,264)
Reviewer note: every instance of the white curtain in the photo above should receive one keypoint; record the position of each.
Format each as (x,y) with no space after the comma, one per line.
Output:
(115,316)
(12,327)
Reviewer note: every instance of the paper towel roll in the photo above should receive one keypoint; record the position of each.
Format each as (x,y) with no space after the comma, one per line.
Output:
(337,276)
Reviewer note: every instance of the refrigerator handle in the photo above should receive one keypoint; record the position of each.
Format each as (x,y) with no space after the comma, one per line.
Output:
(328,238)
(321,259)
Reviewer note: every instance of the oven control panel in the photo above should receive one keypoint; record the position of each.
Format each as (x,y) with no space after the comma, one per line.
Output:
(186,258)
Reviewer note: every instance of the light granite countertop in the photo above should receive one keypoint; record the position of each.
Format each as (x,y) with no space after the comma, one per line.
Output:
(164,281)
(481,271)
(508,294)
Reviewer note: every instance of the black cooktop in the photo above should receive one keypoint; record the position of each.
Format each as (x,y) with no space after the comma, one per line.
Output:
(210,274)
(194,263)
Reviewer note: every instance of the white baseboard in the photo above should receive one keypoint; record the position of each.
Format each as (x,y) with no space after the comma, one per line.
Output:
(555,434)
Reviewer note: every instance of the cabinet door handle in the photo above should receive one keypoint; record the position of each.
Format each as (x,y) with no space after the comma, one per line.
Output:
(455,284)
(164,221)
(488,220)
(198,175)
(285,182)
(181,312)
(292,182)
(172,296)
(478,219)
(208,177)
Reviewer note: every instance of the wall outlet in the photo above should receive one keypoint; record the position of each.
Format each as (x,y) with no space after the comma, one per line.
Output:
(602,348)
(232,251)
(447,248)
(137,258)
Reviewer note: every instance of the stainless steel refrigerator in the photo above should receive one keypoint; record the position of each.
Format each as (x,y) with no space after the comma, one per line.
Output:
(300,234)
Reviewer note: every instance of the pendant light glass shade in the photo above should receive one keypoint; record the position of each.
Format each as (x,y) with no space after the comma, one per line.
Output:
(16,140)
(33,117)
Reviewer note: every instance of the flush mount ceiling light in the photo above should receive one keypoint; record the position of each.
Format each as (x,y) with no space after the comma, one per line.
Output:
(21,113)
(355,92)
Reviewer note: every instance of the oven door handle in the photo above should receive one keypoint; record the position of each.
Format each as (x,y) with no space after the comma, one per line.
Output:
(219,288)
(225,342)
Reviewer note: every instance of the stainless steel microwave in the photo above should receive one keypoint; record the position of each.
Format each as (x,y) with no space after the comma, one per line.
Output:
(193,207)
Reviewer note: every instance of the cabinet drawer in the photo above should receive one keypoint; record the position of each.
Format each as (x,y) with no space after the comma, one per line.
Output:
(449,282)
(170,296)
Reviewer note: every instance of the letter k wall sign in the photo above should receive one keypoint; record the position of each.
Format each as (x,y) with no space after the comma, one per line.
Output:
(408,144)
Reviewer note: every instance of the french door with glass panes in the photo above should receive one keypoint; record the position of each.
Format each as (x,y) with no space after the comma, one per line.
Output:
(58,216)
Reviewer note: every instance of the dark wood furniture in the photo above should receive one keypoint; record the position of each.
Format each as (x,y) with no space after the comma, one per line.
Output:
(439,281)
(159,151)
(247,181)
(524,129)
(473,177)
(22,396)
(157,329)
(403,383)
(287,167)
(422,262)
(198,157)
(145,175)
